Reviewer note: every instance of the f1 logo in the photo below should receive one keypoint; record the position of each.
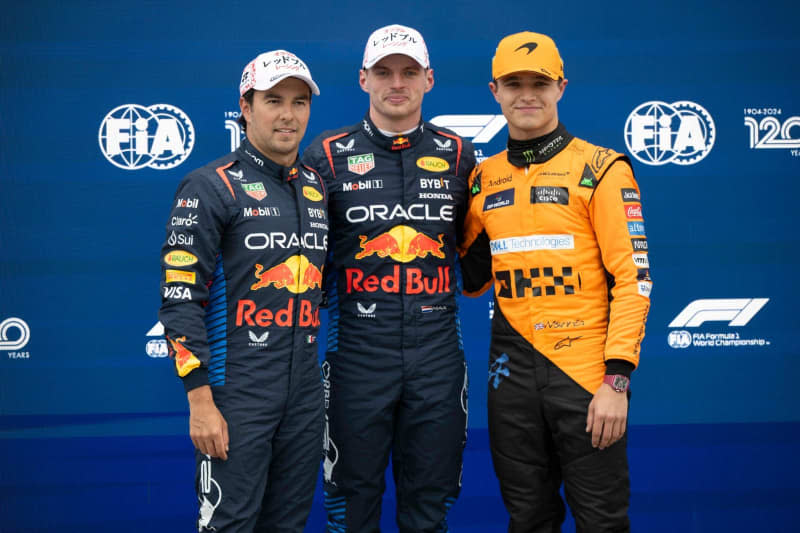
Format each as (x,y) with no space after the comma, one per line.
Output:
(738,311)
(479,128)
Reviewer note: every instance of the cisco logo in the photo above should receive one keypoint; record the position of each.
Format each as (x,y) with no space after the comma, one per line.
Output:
(132,136)
(657,133)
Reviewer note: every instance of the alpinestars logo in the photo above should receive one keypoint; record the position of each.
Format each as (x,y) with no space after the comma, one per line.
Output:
(132,136)
(348,147)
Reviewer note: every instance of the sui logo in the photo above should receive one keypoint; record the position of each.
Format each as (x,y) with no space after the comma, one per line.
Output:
(657,133)
(132,136)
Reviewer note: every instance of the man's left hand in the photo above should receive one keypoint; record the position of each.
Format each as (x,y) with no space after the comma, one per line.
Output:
(608,416)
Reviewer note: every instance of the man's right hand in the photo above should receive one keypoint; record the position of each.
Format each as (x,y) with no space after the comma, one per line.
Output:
(207,427)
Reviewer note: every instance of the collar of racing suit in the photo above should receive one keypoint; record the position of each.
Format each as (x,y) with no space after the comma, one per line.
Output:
(540,149)
(252,157)
(397,142)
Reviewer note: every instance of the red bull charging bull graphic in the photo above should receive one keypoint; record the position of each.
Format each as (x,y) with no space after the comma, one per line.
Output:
(297,274)
(402,244)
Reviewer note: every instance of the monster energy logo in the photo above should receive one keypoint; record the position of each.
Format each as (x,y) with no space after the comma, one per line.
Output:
(528,155)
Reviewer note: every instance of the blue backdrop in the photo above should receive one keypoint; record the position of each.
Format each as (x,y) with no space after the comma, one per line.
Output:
(105,106)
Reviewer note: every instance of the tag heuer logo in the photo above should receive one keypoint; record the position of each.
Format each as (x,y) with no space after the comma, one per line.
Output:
(360,164)
(255,190)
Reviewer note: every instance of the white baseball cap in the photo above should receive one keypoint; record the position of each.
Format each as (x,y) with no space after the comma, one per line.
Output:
(395,39)
(270,68)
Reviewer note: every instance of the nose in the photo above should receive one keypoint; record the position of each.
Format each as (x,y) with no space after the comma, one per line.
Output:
(398,80)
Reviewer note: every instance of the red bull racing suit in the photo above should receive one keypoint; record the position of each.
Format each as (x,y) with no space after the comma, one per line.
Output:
(241,287)
(394,363)
(562,241)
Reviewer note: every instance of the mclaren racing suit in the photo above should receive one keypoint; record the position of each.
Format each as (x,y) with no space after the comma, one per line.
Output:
(241,286)
(394,364)
(562,240)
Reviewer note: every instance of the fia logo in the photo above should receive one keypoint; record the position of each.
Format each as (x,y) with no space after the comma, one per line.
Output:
(657,133)
(132,136)
(156,348)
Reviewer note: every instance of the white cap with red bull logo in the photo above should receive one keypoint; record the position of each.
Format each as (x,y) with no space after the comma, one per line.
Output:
(395,39)
(270,68)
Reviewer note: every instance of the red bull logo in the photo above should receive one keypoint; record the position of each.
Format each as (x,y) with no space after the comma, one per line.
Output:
(415,281)
(297,274)
(185,360)
(400,143)
(401,243)
(248,313)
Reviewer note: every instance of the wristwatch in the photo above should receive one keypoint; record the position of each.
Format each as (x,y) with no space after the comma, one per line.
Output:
(618,382)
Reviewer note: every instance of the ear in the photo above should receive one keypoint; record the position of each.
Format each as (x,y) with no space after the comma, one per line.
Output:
(493,89)
(428,79)
(244,107)
(362,80)
(561,89)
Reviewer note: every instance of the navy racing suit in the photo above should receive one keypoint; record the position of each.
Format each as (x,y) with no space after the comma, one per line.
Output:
(394,362)
(241,287)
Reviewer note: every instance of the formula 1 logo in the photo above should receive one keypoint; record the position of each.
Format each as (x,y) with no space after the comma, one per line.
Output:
(132,136)
(738,311)
(657,133)
(478,128)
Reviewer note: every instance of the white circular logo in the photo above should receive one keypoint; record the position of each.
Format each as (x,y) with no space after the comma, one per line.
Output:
(157,348)
(24,334)
(132,136)
(657,133)
(680,338)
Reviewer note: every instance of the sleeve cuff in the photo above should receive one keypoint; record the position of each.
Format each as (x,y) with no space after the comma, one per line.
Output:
(613,367)
(196,378)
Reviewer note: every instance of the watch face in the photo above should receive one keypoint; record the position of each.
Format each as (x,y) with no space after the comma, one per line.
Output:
(620,383)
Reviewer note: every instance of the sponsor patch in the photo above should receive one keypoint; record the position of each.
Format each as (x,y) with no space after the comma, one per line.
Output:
(312,194)
(645,287)
(476,184)
(255,190)
(180,258)
(361,164)
(180,276)
(633,211)
(550,195)
(641,260)
(588,179)
(499,199)
(639,245)
(532,242)
(433,164)
(636,228)
(630,195)
(643,274)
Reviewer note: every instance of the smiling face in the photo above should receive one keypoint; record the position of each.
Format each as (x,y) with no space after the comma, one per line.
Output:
(396,85)
(277,119)
(529,102)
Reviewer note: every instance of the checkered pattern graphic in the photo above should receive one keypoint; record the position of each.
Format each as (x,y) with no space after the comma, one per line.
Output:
(536,282)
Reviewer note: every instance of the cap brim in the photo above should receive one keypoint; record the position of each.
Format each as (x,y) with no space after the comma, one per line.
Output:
(535,70)
(311,85)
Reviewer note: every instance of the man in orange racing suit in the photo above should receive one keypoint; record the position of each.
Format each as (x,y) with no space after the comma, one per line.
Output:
(555,224)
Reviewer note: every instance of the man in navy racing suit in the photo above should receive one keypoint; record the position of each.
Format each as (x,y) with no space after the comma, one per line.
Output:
(394,363)
(241,285)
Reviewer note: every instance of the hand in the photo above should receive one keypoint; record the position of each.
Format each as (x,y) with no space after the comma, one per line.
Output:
(608,415)
(207,427)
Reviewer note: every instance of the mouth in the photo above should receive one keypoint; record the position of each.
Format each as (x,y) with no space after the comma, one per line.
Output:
(396,98)
(286,131)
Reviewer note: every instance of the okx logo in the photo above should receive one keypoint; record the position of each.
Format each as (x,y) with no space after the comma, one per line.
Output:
(132,136)
(657,133)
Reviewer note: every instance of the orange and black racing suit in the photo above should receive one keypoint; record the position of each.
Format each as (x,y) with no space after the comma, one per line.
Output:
(562,241)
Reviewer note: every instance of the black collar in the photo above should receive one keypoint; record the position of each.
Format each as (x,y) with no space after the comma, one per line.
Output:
(540,149)
(397,142)
(248,154)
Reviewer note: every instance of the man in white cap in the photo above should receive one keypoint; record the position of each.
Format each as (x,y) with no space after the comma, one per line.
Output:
(394,363)
(241,286)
